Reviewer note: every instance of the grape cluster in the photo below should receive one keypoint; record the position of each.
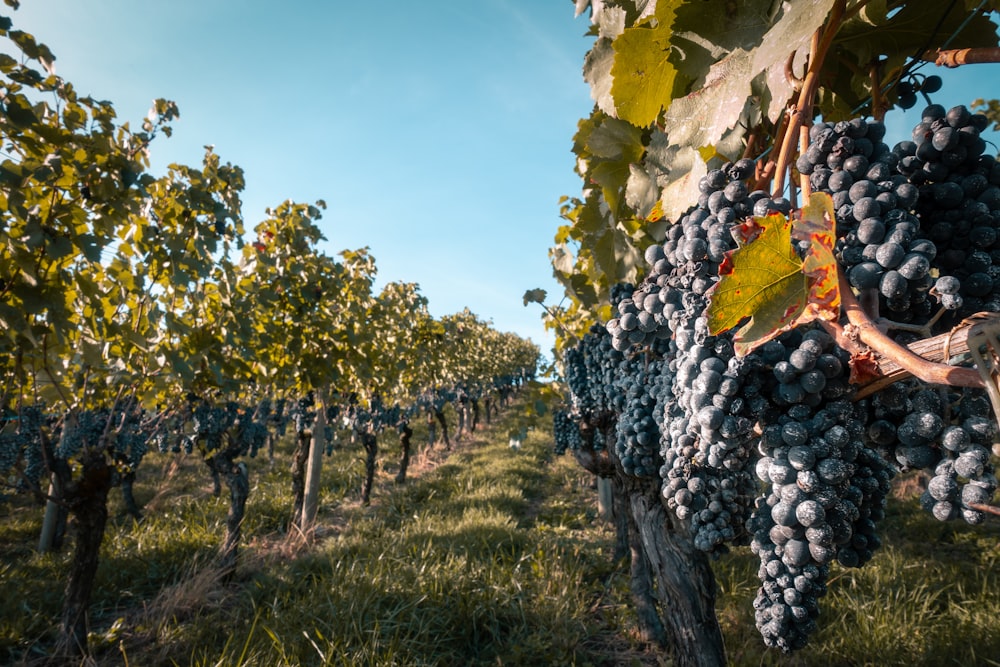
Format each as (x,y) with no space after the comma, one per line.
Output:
(278,417)
(32,418)
(637,442)
(302,414)
(79,430)
(917,224)
(566,432)
(170,437)
(591,368)
(917,83)
(689,259)
(827,490)
(131,441)
(772,448)
(251,430)
(10,451)
(946,432)
(211,423)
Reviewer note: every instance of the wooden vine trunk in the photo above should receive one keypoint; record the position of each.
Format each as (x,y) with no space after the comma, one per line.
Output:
(128,496)
(370,442)
(299,460)
(684,579)
(87,499)
(439,414)
(651,628)
(238,480)
(405,433)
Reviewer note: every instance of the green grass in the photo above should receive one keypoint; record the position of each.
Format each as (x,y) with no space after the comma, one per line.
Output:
(487,556)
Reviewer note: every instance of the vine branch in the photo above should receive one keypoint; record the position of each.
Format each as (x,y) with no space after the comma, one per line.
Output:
(952,58)
(866,331)
(802,111)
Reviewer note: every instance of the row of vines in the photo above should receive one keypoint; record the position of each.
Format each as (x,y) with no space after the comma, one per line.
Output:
(770,310)
(136,317)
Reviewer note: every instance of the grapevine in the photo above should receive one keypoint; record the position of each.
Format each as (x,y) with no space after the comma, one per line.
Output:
(802,290)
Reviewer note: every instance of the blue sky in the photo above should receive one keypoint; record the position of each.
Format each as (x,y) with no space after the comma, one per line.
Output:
(439,133)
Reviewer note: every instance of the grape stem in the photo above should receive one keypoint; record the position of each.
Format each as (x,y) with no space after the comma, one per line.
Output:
(989,509)
(868,332)
(803,110)
(955,57)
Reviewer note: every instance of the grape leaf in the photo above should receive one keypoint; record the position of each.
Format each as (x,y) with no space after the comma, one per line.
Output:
(864,368)
(536,295)
(597,72)
(703,116)
(768,282)
(762,280)
(816,225)
(642,74)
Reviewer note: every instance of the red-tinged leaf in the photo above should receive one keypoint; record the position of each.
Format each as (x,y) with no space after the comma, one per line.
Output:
(864,368)
(816,224)
(726,267)
(656,214)
(747,231)
(766,280)
(766,284)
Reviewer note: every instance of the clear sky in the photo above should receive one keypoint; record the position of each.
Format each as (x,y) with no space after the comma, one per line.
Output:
(438,132)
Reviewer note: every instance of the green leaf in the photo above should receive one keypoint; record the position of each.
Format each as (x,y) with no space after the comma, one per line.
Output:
(642,193)
(534,296)
(612,177)
(875,12)
(686,167)
(702,117)
(791,34)
(767,281)
(20,112)
(615,139)
(763,280)
(643,76)
(707,31)
(597,72)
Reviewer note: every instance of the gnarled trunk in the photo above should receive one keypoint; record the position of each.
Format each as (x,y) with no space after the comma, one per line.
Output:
(460,412)
(431,430)
(439,414)
(685,582)
(621,513)
(299,459)
(370,443)
(87,498)
(640,580)
(238,480)
(128,496)
(405,433)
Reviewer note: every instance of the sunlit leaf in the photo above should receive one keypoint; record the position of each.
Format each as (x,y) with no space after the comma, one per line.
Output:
(643,76)
(762,281)
(534,296)
(766,281)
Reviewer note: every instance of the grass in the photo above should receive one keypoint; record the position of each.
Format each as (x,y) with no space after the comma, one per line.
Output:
(487,556)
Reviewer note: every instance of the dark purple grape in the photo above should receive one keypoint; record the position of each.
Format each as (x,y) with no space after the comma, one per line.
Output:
(931,84)
(958,116)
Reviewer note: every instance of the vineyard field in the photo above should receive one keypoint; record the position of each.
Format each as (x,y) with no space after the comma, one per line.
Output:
(487,556)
